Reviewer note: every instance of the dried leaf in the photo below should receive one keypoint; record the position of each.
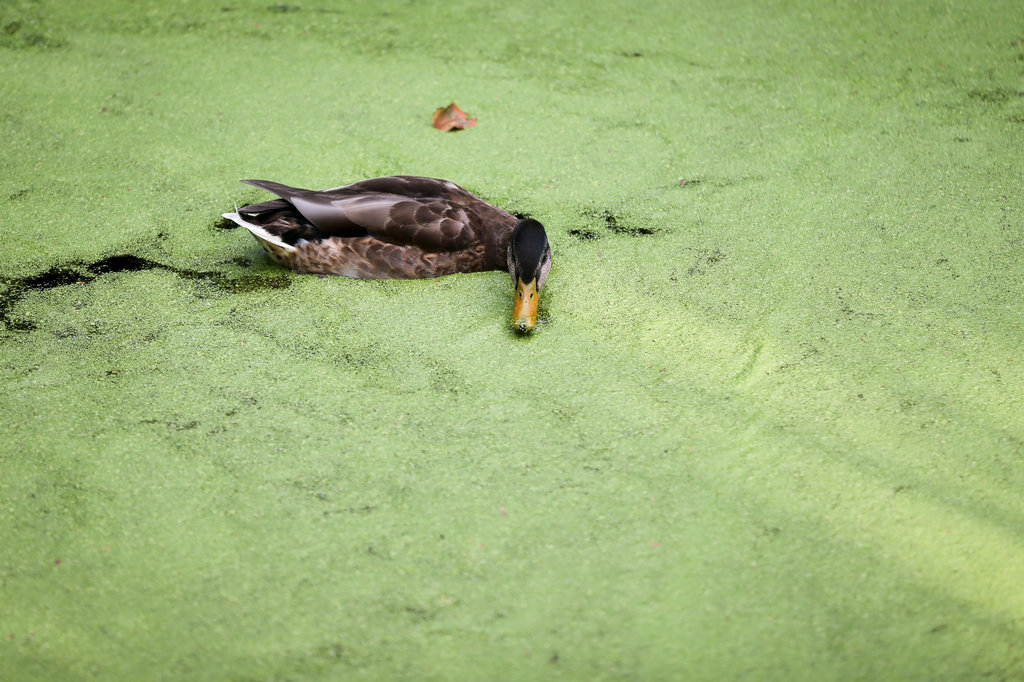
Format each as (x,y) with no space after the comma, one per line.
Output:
(452,118)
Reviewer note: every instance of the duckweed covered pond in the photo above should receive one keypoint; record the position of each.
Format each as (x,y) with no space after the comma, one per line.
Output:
(770,429)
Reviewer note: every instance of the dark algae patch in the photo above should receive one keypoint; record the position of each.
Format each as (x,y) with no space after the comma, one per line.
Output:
(611,221)
(995,95)
(615,224)
(16,35)
(706,259)
(584,235)
(124,263)
(84,273)
(23,27)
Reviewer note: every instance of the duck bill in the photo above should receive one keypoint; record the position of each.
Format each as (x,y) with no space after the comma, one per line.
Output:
(524,312)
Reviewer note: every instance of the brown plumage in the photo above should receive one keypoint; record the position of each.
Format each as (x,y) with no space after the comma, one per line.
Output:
(398,227)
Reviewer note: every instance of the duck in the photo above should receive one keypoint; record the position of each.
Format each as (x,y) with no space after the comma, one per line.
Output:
(400,227)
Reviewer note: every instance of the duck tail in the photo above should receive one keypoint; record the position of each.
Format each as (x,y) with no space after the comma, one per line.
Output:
(274,245)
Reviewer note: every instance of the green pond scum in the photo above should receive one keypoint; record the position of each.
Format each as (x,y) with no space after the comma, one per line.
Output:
(770,426)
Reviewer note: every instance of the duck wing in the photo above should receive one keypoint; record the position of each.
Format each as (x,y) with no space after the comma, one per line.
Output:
(429,214)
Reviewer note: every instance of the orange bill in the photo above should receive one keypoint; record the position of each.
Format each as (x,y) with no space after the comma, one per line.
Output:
(524,310)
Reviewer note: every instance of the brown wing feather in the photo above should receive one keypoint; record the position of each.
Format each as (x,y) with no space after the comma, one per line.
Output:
(410,186)
(422,214)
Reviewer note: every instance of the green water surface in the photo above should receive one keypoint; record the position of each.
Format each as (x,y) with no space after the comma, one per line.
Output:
(771,427)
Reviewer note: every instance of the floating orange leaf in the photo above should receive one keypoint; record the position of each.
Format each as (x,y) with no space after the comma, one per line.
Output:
(452,118)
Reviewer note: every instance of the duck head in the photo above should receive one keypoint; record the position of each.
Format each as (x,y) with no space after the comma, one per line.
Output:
(529,259)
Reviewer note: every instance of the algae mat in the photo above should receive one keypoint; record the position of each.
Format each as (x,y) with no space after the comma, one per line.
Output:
(771,427)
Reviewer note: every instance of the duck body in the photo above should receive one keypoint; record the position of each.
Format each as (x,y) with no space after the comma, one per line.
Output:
(399,227)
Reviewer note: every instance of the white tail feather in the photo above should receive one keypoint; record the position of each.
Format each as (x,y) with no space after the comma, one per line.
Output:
(257,231)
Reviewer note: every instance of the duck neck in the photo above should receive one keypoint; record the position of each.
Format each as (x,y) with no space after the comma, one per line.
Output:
(498,238)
